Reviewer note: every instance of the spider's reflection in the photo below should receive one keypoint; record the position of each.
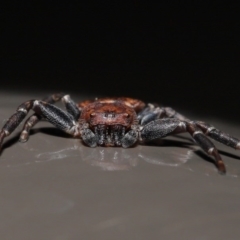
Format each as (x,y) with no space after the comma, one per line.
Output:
(172,151)
(113,159)
(165,152)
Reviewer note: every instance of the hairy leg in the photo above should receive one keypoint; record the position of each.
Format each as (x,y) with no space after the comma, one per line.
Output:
(60,119)
(169,126)
(71,107)
(218,135)
(150,113)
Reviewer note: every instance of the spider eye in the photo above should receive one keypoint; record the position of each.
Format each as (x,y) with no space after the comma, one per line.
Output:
(92,114)
(126,115)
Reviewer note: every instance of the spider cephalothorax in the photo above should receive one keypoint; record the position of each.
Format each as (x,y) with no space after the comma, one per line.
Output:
(116,122)
(109,119)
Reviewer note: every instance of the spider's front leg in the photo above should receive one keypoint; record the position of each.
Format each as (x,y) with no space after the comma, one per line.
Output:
(60,119)
(169,126)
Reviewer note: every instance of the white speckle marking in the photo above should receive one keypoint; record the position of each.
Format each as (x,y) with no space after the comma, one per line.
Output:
(6,132)
(182,125)
(66,98)
(210,129)
(29,124)
(22,110)
(151,106)
(36,102)
(210,150)
(108,101)
(197,132)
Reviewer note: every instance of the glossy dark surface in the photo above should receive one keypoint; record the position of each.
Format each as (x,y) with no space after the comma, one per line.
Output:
(53,187)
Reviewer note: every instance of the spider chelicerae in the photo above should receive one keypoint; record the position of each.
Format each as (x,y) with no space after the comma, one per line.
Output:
(116,122)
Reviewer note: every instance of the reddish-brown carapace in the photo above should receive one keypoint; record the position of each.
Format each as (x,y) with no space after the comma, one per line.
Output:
(111,111)
(116,122)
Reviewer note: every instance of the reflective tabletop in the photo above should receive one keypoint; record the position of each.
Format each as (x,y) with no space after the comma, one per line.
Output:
(54,187)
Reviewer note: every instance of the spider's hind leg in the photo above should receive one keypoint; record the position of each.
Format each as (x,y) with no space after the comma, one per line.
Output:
(218,135)
(35,118)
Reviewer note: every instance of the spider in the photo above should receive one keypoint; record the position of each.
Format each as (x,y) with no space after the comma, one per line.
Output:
(116,122)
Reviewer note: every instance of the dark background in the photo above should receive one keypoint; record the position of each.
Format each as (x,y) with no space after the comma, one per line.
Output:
(185,56)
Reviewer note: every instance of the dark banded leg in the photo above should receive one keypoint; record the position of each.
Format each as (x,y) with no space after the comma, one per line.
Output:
(71,107)
(171,113)
(169,126)
(218,135)
(161,128)
(206,145)
(35,118)
(51,113)
(150,113)
(15,120)
(153,112)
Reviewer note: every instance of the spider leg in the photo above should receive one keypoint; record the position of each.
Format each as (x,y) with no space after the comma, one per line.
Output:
(171,113)
(130,138)
(150,113)
(153,111)
(218,135)
(51,113)
(35,118)
(71,107)
(169,126)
